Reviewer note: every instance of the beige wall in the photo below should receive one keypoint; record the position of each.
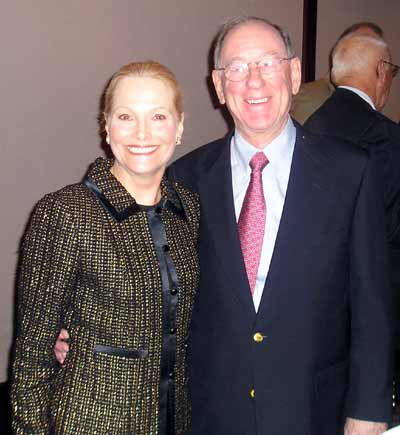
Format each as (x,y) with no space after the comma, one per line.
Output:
(55,59)
(335,16)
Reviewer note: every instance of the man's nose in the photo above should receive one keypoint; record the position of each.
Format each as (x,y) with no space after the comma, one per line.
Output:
(254,79)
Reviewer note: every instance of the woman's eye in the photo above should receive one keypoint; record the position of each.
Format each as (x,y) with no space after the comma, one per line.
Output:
(159,117)
(124,117)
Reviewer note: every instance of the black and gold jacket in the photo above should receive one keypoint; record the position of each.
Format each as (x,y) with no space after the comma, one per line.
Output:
(122,280)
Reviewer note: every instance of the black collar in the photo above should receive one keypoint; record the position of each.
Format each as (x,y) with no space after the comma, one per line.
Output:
(118,202)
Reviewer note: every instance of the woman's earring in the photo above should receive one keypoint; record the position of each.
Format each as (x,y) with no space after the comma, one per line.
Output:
(178,140)
(108,139)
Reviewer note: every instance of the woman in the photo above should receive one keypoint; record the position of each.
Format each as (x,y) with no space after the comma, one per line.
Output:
(113,260)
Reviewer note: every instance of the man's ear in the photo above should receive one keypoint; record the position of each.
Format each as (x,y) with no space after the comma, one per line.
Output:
(382,85)
(295,74)
(381,70)
(219,89)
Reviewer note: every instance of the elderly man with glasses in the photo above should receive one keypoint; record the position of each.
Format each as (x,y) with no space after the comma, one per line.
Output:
(291,331)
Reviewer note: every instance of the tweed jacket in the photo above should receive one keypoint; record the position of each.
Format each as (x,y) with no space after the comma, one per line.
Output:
(122,280)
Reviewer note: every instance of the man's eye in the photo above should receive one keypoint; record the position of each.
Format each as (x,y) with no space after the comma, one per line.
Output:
(124,117)
(267,62)
(159,117)
(237,67)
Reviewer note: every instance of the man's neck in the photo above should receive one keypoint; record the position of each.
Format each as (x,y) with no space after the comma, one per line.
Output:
(261,140)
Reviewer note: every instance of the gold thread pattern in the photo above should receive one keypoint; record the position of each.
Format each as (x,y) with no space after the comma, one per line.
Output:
(82,270)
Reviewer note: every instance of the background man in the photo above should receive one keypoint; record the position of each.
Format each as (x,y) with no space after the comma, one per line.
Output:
(312,95)
(363,72)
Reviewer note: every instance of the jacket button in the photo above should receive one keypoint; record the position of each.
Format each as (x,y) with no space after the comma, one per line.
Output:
(166,248)
(172,330)
(252,393)
(173,291)
(171,375)
(258,337)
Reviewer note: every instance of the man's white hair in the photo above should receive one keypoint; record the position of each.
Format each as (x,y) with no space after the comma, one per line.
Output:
(354,55)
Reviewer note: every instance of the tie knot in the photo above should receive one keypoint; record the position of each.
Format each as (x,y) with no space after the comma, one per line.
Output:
(258,162)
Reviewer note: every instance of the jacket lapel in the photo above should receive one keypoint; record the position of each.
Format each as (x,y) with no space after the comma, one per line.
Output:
(306,192)
(219,223)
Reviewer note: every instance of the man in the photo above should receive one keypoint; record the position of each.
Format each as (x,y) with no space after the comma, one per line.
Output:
(312,343)
(362,71)
(312,95)
(289,335)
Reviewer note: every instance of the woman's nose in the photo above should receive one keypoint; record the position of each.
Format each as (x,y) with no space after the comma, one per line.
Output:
(143,131)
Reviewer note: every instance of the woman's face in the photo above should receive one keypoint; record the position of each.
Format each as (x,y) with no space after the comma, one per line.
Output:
(142,127)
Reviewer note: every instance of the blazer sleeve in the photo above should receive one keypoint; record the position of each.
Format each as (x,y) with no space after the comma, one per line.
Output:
(370,382)
(46,276)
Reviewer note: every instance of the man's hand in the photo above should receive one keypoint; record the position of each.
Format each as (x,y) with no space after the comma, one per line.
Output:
(362,427)
(61,347)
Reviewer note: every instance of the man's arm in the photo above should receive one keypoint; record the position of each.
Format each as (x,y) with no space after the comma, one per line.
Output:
(370,377)
(61,348)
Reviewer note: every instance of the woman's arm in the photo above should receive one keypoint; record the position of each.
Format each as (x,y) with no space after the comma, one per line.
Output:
(46,278)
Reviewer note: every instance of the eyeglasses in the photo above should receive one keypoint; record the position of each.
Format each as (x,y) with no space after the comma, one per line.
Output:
(395,68)
(237,71)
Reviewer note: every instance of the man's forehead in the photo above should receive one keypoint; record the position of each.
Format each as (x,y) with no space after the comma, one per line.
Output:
(252,36)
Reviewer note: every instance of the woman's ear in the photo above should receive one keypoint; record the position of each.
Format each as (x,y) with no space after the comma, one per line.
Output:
(179,130)
(106,128)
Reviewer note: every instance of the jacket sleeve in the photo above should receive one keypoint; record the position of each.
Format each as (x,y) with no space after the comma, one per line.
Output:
(370,382)
(46,277)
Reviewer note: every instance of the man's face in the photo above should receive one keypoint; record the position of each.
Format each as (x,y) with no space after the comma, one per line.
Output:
(258,104)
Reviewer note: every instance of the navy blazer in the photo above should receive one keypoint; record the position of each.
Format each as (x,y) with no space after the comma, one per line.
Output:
(319,347)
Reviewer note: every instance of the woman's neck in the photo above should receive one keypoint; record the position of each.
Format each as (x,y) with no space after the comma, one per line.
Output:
(145,189)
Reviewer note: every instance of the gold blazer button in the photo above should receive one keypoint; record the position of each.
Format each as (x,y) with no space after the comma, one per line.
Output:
(252,393)
(258,337)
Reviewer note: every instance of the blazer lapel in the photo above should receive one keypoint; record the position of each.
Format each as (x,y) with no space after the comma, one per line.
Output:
(219,221)
(306,189)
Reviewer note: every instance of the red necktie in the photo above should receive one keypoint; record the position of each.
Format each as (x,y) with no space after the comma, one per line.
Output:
(252,217)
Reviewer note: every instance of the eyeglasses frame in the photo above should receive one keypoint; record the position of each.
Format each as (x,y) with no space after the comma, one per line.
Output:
(280,59)
(395,68)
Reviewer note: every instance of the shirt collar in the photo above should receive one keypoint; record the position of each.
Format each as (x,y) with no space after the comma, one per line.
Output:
(361,94)
(278,152)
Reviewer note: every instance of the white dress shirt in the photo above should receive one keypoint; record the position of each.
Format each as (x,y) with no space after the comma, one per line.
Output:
(361,94)
(275,178)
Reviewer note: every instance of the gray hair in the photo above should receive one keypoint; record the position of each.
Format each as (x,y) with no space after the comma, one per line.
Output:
(231,23)
(353,54)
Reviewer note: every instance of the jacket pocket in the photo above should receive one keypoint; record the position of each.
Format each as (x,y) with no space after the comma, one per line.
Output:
(120,351)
